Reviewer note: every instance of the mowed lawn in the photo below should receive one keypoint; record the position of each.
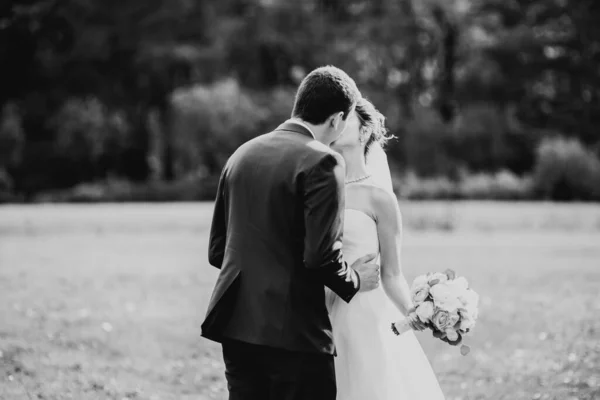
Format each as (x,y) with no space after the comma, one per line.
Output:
(106,301)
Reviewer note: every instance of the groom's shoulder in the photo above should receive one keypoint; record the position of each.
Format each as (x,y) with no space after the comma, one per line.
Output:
(318,153)
(317,148)
(305,149)
(299,150)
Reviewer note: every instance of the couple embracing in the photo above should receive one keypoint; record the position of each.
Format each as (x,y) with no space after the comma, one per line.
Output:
(306,233)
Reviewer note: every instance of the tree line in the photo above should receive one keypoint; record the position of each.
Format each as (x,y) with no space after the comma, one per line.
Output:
(164,90)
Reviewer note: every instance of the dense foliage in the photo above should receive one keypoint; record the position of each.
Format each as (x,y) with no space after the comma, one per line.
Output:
(164,90)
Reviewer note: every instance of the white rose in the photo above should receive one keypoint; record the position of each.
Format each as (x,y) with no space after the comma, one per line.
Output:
(425,311)
(444,297)
(437,278)
(420,294)
(469,298)
(453,319)
(441,320)
(459,284)
(466,322)
(419,281)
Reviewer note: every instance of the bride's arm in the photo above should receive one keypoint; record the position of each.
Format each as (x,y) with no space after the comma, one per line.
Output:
(389,229)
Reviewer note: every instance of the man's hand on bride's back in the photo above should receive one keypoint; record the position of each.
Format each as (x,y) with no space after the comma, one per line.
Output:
(368,272)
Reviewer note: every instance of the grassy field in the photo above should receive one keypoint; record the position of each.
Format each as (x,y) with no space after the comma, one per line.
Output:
(106,301)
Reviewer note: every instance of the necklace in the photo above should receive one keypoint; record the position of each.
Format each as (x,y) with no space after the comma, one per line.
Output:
(362,178)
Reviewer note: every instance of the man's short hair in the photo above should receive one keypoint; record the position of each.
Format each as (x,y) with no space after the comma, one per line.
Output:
(323,92)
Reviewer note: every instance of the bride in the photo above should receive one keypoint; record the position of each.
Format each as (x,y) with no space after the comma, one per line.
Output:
(372,362)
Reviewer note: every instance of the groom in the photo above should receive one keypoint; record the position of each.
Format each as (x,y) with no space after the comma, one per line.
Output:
(276,238)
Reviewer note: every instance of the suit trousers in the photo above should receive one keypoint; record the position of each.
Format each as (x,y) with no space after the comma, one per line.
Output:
(261,372)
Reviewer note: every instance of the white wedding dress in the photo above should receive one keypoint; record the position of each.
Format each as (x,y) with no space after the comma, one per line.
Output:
(372,363)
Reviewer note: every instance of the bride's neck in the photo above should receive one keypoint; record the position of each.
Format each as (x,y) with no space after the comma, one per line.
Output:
(356,166)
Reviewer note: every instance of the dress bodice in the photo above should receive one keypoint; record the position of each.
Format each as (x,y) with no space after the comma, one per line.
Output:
(360,235)
(372,362)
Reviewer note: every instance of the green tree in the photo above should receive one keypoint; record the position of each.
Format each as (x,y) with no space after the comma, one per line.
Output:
(546,56)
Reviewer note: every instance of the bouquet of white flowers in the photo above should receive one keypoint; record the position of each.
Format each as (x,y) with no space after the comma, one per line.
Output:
(445,304)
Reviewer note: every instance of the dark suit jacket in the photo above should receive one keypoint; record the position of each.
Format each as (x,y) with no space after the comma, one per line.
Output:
(276,237)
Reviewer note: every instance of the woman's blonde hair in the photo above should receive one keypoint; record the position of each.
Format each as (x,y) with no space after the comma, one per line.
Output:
(372,124)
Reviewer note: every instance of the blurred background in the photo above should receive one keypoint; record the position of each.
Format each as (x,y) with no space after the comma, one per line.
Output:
(142,102)
(145,100)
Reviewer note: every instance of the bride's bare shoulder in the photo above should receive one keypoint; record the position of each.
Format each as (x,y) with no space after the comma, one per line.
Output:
(382,202)
(385,204)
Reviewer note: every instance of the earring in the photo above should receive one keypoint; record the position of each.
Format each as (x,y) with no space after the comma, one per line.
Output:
(362,139)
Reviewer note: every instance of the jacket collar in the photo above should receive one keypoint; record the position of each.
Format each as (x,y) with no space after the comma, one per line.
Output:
(292,125)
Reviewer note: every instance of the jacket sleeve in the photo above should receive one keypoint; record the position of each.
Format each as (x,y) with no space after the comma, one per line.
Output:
(323,219)
(218,229)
